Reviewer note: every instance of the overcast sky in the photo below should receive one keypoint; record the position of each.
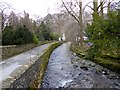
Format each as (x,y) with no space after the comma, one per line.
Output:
(37,7)
(34,7)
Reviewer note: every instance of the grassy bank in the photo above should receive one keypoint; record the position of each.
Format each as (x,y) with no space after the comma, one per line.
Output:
(14,50)
(108,62)
(43,65)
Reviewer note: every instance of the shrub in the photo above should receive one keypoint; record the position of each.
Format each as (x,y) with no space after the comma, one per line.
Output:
(19,36)
(22,36)
(7,35)
(35,39)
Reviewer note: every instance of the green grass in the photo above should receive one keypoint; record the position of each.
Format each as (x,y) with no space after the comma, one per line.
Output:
(108,62)
(79,50)
(111,64)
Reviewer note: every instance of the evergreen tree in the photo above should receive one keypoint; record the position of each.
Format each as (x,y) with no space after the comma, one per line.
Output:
(44,33)
(105,36)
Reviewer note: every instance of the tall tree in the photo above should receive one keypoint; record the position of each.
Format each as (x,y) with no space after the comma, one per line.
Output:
(25,20)
(13,20)
(101,8)
(95,5)
(3,6)
(44,33)
(58,21)
(74,7)
(98,8)
(108,10)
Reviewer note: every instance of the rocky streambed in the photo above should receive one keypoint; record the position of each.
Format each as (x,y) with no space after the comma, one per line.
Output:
(66,70)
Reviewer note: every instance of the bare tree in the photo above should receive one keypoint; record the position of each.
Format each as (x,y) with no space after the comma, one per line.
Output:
(101,8)
(97,9)
(3,6)
(13,20)
(74,8)
(25,20)
(59,21)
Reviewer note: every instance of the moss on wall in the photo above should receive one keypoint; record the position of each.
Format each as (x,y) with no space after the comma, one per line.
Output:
(43,65)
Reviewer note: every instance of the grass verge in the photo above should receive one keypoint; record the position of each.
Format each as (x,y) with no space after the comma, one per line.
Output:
(8,52)
(110,63)
(79,50)
(43,65)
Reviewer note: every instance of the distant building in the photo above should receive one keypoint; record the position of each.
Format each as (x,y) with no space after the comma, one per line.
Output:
(78,38)
(63,37)
(59,38)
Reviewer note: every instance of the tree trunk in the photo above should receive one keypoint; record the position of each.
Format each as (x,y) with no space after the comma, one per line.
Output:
(2,20)
(101,7)
(95,6)
(78,18)
(108,10)
(80,23)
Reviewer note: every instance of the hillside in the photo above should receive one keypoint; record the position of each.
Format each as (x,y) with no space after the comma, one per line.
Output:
(63,23)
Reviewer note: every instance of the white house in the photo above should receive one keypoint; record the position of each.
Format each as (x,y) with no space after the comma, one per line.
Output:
(63,37)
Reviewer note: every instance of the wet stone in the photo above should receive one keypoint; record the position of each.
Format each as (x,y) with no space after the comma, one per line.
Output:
(91,65)
(116,83)
(84,67)
(105,73)
(75,66)
(74,54)
(99,70)
(79,74)
(61,68)
(112,76)
(56,73)
(77,59)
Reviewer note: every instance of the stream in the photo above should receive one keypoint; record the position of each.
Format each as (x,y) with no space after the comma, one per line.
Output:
(66,70)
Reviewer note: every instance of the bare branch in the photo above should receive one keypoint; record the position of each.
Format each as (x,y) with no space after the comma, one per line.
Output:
(90,7)
(102,3)
(102,8)
(70,12)
(73,12)
(86,6)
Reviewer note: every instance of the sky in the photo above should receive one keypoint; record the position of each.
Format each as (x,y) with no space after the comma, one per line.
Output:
(37,7)
(34,7)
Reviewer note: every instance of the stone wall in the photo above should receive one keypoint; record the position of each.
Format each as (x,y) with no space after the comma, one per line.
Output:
(28,77)
(32,73)
(11,50)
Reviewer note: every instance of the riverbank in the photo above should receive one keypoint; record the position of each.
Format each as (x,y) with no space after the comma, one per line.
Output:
(43,65)
(67,70)
(22,70)
(108,62)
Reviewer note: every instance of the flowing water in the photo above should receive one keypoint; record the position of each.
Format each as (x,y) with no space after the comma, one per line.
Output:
(67,70)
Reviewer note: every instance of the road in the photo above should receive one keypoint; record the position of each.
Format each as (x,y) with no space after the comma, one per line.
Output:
(67,70)
(20,62)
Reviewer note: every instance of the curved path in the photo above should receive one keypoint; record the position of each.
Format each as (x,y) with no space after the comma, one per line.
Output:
(67,70)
